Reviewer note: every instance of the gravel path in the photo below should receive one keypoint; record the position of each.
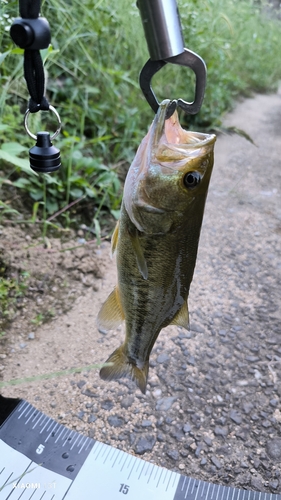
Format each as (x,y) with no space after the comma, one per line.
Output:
(212,410)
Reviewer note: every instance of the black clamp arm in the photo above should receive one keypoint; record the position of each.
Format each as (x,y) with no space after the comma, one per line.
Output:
(32,33)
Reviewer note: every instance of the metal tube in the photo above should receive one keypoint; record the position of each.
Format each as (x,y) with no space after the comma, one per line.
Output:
(162,28)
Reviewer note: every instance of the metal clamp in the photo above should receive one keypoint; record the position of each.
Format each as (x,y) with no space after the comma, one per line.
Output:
(186,58)
(33,136)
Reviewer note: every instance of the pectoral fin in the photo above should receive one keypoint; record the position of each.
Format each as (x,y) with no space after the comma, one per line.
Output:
(182,317)
(114,238)
(111,313)
(141,262)
(120,366)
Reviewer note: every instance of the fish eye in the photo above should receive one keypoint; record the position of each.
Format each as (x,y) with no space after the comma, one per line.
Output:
(191,179)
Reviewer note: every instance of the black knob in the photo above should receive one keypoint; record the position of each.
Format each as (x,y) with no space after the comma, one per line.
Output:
(32,34)
(44,157)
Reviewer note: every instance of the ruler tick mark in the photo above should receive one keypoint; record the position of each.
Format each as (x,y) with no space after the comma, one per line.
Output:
(73,444)
(218,492)
(187,488)
(134,461)
(150,474)
(118,451)
(67,437)
(21,408)
(176,476)
(109,451)
(141,470)
(36,423)
(49,435)
(45,425)
(183,483)
(197,492)
(203,489)
(159,478)
(124,462)
(81,448)
(169,481)
(193,486)
(59,435)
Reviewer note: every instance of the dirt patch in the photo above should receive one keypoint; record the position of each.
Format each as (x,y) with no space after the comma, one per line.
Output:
(46,276)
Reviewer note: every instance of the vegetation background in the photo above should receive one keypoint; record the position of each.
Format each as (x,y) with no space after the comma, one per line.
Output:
(92,67)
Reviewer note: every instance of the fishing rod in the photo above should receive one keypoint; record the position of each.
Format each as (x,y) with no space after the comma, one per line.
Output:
(163,33)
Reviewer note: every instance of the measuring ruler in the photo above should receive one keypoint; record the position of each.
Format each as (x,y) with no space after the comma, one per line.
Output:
(41,459)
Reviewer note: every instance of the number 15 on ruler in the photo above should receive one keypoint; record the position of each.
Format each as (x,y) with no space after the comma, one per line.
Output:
(124,488)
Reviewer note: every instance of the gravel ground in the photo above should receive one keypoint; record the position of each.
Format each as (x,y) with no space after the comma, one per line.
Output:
(212,410)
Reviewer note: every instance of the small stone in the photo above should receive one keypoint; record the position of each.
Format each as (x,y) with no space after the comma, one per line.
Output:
(221,431)
(163,358)
(257,483)
(164,404)
(208,441)
(31,336)
(157,393)
(173,454)
(252,359)
(92,418)
(247,407)
(236,417)
(127,402)
(203,461)
(273,449)
(107,404)
(186,428)
(216,462)
(144,444)
(81,414)
(90,393)
(81,383)
(182,466)
(22,345)
(266,424)
(161,437)
(273,484)
(146,423)
(115,421)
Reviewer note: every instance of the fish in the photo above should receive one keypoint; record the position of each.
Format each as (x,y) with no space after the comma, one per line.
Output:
(156,241)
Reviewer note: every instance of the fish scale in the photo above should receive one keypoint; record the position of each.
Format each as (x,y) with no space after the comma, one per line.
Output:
(41,459)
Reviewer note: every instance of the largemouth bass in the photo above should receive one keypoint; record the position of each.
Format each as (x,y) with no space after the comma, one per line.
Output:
(156,241)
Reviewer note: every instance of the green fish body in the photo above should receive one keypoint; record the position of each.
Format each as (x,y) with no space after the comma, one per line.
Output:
(156,241)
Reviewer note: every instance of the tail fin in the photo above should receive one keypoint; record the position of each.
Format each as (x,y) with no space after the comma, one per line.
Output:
(121,366)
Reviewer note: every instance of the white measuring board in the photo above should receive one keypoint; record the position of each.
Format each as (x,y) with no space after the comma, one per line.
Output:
(41,459)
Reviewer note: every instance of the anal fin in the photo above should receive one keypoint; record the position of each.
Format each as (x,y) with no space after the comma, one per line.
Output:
(182,317)
(111,313)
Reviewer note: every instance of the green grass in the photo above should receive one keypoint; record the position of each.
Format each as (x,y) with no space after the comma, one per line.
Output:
(98,49)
